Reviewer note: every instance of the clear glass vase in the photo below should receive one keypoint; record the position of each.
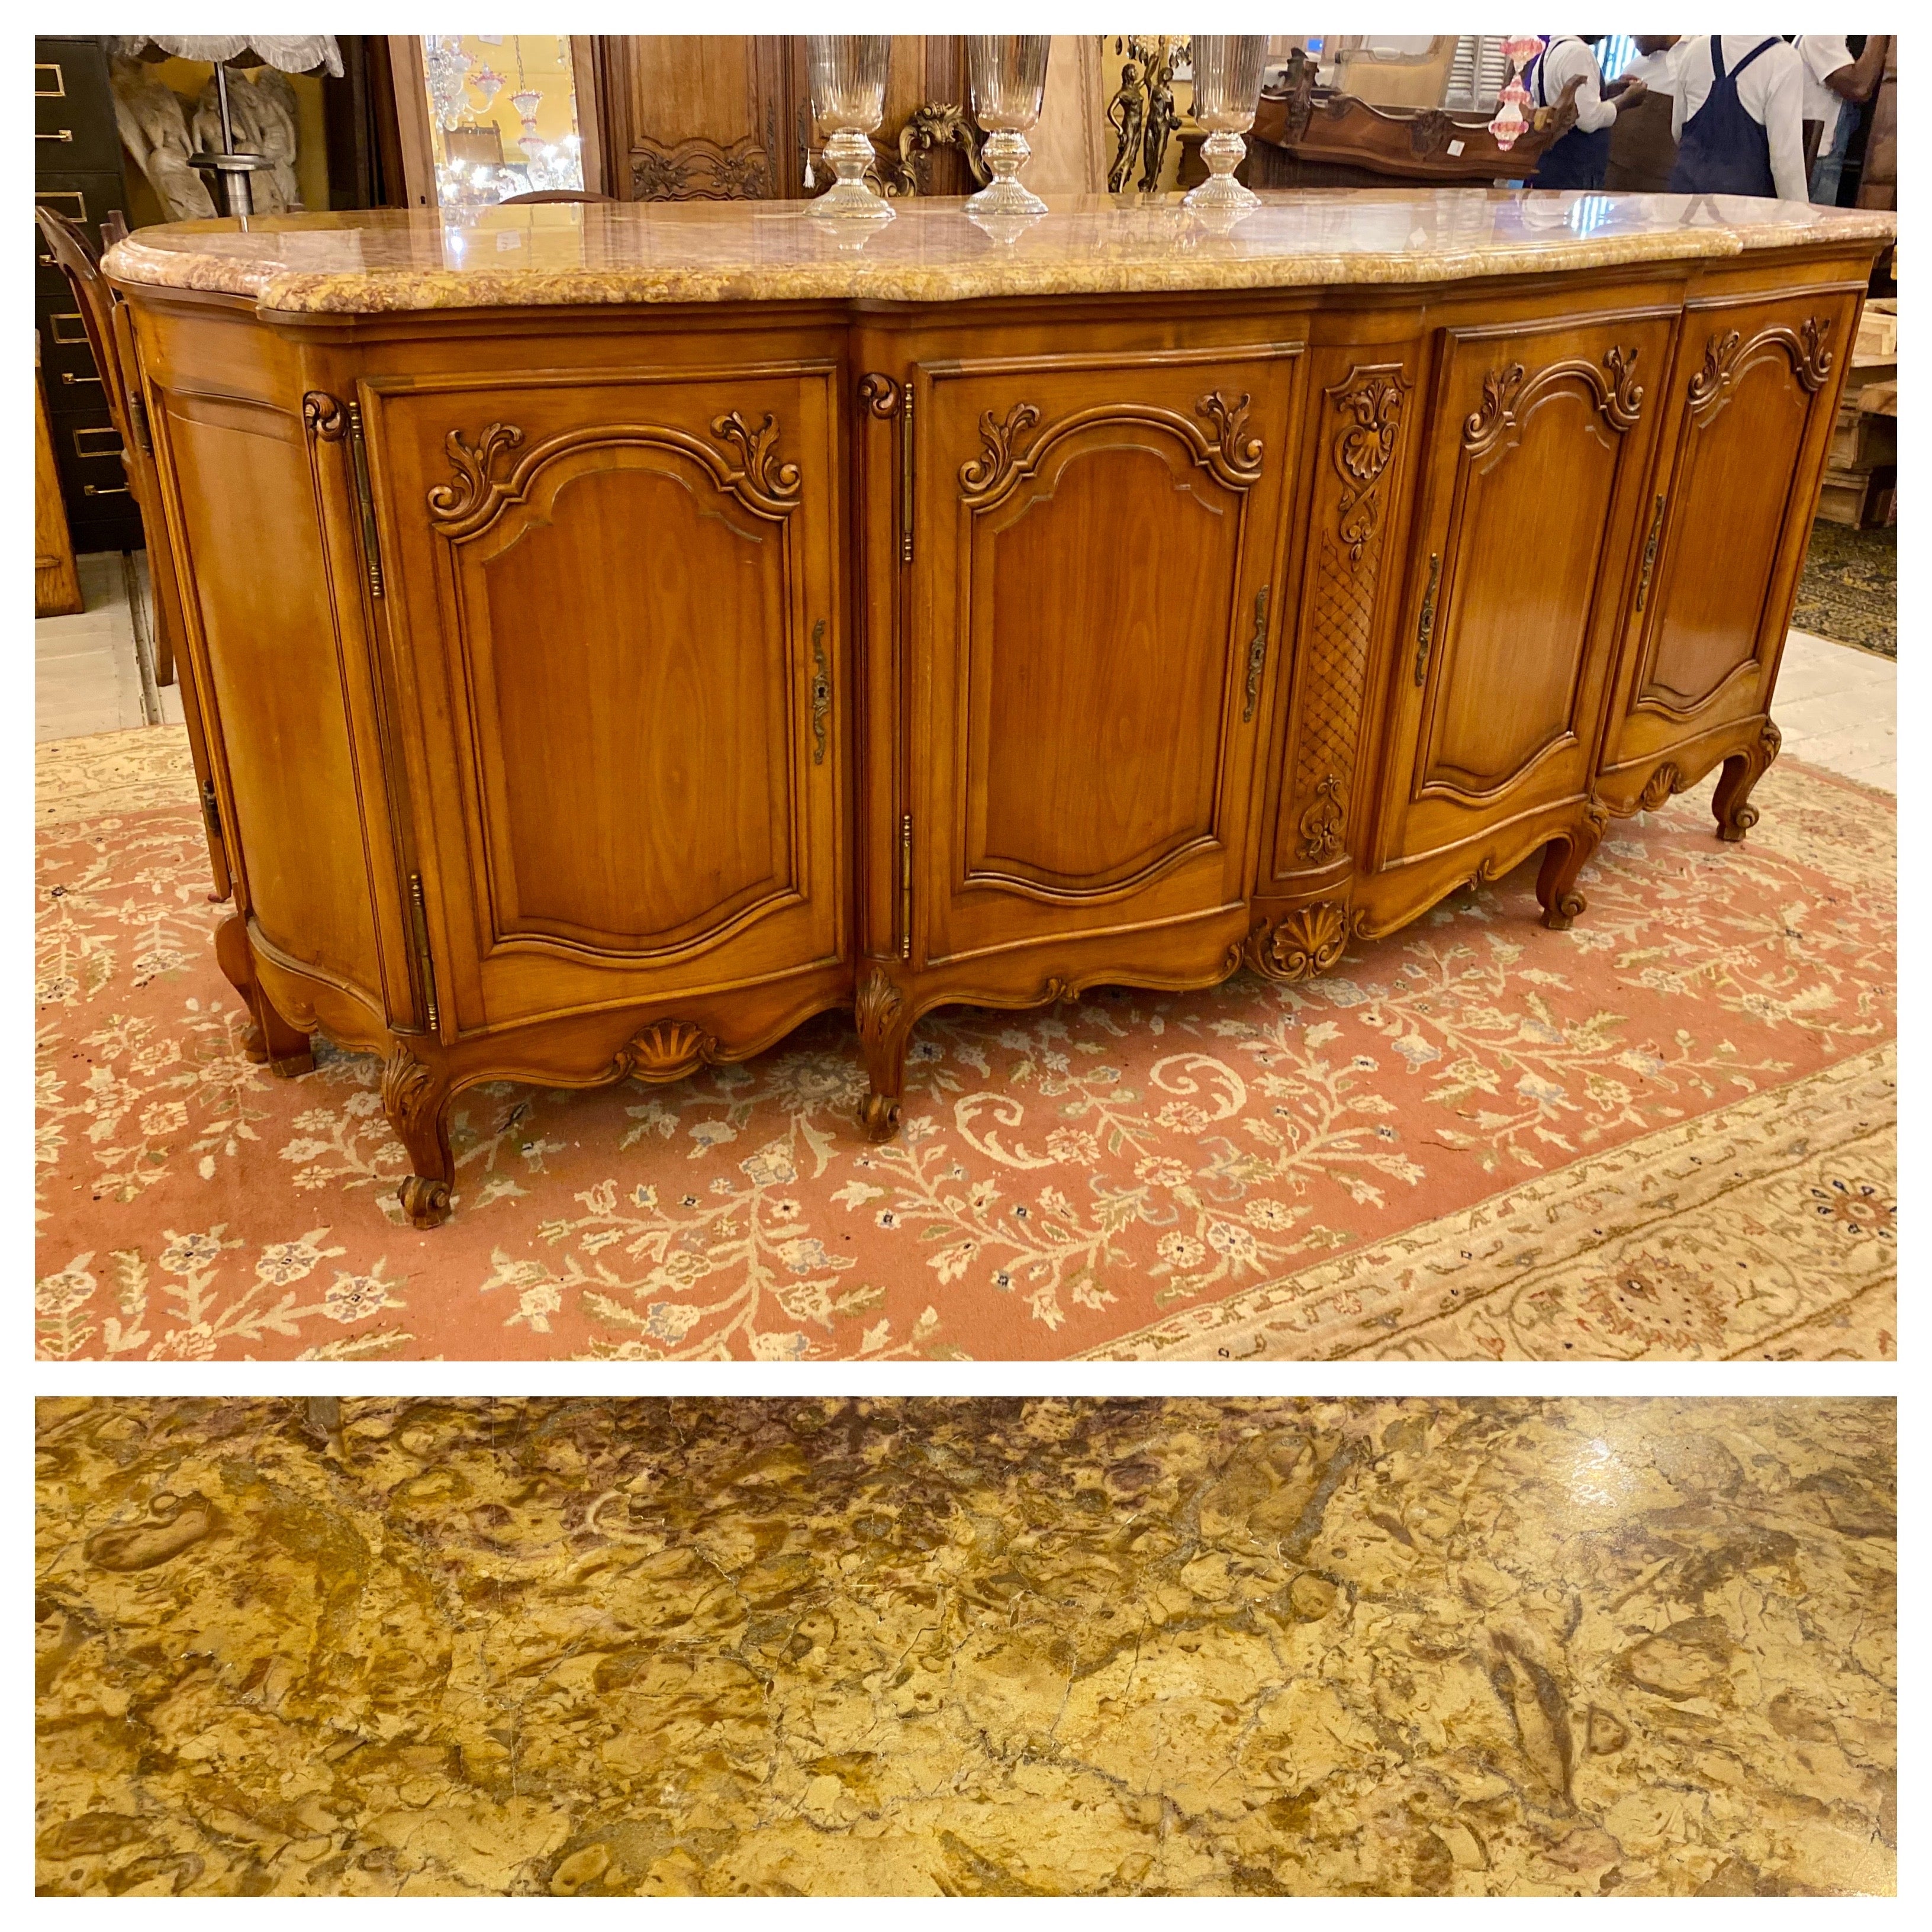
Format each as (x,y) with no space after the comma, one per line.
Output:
(846,75)
(1227,90)
(1007,73)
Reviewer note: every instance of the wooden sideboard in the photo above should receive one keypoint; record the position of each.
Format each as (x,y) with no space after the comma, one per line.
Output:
(596,684)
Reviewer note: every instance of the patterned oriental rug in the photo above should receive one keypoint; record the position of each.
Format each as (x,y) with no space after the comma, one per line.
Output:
(1667,1133)
(1850,590)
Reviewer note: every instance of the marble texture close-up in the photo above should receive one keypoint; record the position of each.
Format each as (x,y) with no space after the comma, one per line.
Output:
(1506,1647)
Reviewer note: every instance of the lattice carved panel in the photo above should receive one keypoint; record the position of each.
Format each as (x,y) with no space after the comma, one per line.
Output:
(1351,511)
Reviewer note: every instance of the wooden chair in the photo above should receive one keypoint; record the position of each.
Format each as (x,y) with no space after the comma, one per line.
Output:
(537,194)
(110,335)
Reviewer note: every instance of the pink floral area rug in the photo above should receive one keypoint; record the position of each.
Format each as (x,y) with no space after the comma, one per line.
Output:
(1667,1133)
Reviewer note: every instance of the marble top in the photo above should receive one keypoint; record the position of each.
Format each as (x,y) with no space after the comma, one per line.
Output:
(546,254)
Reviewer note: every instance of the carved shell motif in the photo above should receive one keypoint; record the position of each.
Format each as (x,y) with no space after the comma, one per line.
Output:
(1301,943)
(408,1087)
(1372,409)
(665,1050)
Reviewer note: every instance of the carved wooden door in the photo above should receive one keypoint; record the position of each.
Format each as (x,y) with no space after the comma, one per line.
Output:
(1538,443)
(1752,397)
(1095,599)
(617,604)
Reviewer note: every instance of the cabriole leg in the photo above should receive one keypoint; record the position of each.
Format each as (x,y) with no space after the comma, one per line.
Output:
(284,1049)
(1730,803)
(416,1099)
(1563,859)
(879,1010)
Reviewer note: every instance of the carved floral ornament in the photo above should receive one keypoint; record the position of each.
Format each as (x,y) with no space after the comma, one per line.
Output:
(1232,454)
(484,479)
(1370,403)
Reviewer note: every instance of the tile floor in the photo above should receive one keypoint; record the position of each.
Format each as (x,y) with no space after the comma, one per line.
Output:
(93,671)
(1838,707)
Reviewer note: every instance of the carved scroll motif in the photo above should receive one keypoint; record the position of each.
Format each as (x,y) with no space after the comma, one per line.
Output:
(1624,399)
(1300,943)
(324,417)
(1488,424)
(475,480)
(1241,453)
(777,483)
(938,123)
(1507,394)
(1728,353)
(664,1050)
(880,395)
(983,474)
(1371,405)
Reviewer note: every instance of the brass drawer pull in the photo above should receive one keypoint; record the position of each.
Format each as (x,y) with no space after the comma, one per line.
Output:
(1650,552)
(69,377)
(95,490)
(1257,651)
(821,692)
(1425,625)
(61,134)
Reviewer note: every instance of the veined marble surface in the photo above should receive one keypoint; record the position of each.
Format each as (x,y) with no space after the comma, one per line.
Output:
(546,253)
(1568,1647)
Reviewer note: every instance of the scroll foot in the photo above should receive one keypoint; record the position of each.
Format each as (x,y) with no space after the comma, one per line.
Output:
(425,1202)
(878,1009)
(1563,860)
(1730,803)
(416,1099)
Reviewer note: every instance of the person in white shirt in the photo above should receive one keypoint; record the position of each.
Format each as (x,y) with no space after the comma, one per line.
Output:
(1566,70)
(1739,118)
(1832,78)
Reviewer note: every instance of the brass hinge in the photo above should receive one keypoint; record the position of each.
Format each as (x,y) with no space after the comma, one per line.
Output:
(210,810)
(419,926)
(365,502)
(1257,651)
(137,416)
(1425,625)
(905,478)
(905,886)
(1650,552)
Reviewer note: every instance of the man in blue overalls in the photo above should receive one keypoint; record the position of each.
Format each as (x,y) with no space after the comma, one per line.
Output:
(1566,70)
(1739,118)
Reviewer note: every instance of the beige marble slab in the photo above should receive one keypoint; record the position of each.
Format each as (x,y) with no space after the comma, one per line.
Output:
(385,260)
